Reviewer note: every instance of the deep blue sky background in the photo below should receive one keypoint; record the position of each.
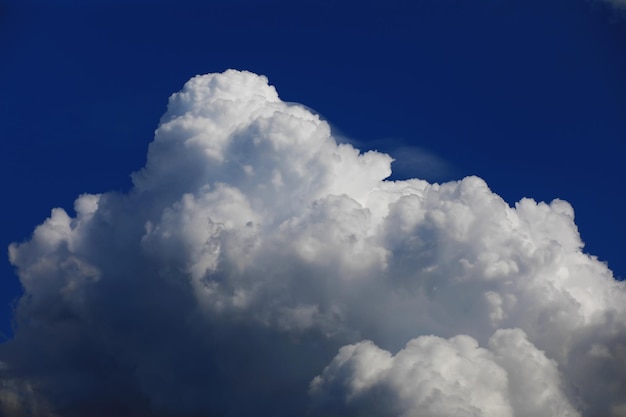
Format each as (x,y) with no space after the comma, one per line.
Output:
(528,94)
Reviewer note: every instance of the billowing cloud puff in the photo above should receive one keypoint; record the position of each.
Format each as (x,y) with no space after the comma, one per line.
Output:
(258,267)
(437,377)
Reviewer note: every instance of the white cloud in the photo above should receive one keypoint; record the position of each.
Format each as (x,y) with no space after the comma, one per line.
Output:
(253,247)
(433,377)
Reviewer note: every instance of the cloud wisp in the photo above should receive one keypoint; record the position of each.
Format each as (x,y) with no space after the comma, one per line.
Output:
(618,3)
(258,267)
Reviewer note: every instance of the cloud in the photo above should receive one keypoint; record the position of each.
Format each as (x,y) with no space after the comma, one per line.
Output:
(258,267)
(434,377)
(618,3)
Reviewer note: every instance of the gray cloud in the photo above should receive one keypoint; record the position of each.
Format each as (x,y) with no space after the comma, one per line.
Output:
(258,267)
(618,3)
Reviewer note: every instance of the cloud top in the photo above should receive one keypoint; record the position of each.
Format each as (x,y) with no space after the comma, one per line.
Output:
(258,267)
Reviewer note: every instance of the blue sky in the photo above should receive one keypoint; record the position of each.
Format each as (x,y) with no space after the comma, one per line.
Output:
(529,95)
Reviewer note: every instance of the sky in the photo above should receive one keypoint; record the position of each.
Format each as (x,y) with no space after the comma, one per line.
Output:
(260,259)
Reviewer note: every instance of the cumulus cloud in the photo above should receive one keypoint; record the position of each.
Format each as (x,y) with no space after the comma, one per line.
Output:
(433,377)
(259,267)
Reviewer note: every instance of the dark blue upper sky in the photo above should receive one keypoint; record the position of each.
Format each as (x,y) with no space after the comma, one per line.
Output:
(528,94)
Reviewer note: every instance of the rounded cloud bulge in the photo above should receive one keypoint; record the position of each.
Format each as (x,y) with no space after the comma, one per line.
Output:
(259,267)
